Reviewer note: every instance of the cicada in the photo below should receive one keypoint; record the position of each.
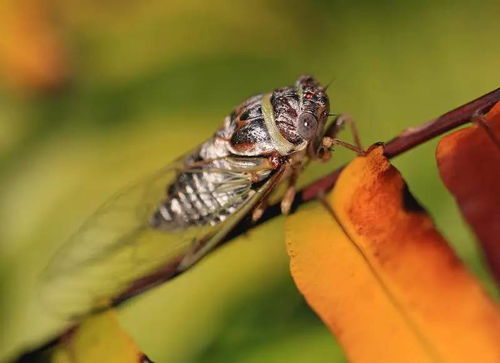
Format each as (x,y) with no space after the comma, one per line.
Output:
(178,215)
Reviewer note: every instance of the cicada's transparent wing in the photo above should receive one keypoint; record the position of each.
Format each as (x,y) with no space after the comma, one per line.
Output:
(117,246)
(110,249)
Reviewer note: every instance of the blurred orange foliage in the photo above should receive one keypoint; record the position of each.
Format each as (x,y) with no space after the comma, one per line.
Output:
(32,56)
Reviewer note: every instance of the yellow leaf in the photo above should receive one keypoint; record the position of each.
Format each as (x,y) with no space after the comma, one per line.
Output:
(380,276)
(99,338)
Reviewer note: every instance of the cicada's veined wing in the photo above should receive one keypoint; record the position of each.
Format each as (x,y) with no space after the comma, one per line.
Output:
(117,245)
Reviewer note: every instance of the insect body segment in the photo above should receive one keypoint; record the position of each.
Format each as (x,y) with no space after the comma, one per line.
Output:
(282,122)
(187,208)
(206,194)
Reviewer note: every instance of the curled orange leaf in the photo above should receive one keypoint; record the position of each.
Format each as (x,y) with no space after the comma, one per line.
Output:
(469,164)
(374,268)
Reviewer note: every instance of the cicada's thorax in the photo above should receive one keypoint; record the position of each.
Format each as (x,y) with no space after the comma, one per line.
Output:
(257,139)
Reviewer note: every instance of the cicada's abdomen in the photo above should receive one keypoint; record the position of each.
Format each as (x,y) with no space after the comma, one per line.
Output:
(200,196)
(214,184)
(196,198)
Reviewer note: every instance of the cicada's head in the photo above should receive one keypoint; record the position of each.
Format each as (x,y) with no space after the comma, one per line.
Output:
(300,112)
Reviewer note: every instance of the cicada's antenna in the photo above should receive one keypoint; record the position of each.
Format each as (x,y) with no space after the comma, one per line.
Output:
(325,88)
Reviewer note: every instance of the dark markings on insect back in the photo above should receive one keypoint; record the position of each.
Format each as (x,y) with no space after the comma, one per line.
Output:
(251,112)
(245,115)
(285,103)
(254,132)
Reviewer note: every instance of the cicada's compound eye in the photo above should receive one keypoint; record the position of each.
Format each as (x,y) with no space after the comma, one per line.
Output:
(307,125)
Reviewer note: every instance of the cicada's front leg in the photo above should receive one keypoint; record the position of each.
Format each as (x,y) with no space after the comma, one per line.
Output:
(329,140)
(291,175)
(260,209)
(274,161)
(339,123)
(288,198)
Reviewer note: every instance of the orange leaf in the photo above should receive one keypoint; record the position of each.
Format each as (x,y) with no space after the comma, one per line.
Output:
(381,277)
(469,163)
(31,52)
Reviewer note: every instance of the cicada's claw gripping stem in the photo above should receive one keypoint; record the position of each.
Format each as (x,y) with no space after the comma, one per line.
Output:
(330,140)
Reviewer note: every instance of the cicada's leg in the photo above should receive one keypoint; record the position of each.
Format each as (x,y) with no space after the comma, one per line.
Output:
(478,119)
(287,201)
(329,139)
(329,142)
(288,198)
(339,123)
(259,210)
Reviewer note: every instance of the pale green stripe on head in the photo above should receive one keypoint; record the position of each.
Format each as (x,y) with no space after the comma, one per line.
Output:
(282,145)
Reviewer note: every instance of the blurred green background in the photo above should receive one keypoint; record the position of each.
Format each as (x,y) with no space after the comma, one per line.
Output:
(95,94)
